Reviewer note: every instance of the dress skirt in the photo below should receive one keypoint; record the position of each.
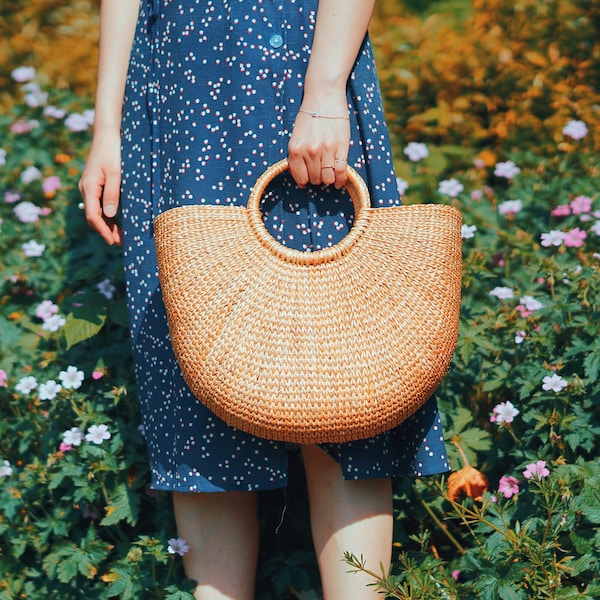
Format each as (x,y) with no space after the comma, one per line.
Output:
(212,93)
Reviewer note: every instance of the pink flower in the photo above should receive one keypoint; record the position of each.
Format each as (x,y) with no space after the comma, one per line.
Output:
(537,470)
(574,238)
(20,126)
(97,374)
(504,412)
(562,210)
(51,184)
(3,378)
(523,310)
(455,574)
(10,197)
(581,204)
(508,486)
(477,195)
(65,447)
(54,113)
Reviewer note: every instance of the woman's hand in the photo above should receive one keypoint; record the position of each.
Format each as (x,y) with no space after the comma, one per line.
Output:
(319,145)
(100,185)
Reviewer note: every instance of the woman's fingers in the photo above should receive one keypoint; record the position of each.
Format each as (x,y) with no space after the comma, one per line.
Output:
(101,199)
(318,149)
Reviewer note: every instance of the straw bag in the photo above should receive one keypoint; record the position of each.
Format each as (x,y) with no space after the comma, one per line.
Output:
(327,346)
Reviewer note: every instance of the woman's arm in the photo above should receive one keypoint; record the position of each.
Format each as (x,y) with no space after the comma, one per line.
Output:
(101,179)
(316,143)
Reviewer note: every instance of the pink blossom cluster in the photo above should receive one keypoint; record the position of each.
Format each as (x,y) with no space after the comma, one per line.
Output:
(47,311)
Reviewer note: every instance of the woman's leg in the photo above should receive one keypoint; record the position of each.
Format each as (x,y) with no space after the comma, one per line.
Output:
(353,516)
(221,529)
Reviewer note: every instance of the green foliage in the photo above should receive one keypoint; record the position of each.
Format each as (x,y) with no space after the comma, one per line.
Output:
(79,520)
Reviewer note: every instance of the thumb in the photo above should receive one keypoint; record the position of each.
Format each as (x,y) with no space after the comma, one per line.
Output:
(110,196)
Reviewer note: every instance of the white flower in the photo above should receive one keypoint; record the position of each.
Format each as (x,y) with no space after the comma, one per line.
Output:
(107,289)
(30,174)
(76,122)
(27,212)
(596,228)
(552,238)
(468,231)
(450,187)
(531,303)
(502,293)
(46,309)
(510,207)
(5,469)
(506,169)
(575,129)
(22,74)
(54,113)
(73,436)
(54,323)
(416,151)
(505,412)
(49,390)
(26,385)
(72,378)
(35,97)
(520,336)
(32,249)
(97,434)
(88,115)
(554,382)
(2,157)
(402,185)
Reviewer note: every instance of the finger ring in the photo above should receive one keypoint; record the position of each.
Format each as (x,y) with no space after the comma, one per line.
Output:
(328,167)
(340,160)
(81,205)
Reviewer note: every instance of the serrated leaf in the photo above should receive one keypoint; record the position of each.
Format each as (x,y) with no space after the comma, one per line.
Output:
(123,506)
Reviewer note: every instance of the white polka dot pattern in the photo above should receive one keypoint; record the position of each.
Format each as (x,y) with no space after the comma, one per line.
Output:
(212,94)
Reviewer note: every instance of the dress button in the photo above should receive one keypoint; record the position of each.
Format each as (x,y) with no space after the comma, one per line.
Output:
(276,41)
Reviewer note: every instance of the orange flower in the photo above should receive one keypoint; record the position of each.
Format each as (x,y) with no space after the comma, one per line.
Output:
(468,480)
(61,159)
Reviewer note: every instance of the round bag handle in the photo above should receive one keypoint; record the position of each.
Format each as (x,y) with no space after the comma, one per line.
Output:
(359,193)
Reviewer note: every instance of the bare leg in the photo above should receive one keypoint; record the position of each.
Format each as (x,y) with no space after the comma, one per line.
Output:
(353,516)
(222,531)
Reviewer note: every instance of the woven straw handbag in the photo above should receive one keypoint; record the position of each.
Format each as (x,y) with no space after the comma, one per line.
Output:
(310,347)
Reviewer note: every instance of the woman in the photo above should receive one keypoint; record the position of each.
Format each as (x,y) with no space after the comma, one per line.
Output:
(195,99)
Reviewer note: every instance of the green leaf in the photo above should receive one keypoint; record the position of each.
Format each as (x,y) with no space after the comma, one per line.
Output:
(124,505)
(176,594)
(77,330)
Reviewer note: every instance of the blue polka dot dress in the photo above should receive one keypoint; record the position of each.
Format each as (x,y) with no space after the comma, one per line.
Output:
(211,97)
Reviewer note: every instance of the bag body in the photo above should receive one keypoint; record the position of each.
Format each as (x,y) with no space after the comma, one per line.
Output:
(285,344)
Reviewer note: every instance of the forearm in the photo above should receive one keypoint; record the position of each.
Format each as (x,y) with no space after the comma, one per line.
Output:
(339,33)
(117,28)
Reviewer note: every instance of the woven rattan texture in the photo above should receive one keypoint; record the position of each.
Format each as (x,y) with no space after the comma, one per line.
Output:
(334,351)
